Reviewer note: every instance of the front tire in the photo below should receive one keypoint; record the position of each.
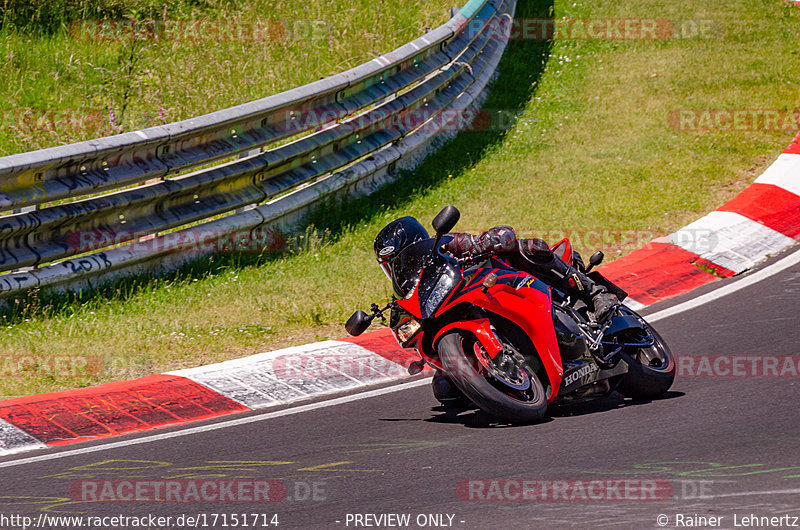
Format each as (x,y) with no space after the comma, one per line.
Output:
(526,404)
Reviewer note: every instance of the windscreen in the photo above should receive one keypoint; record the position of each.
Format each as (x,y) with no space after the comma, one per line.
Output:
(406,267)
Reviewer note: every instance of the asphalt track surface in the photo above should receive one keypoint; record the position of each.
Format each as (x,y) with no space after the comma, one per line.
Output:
(716,445)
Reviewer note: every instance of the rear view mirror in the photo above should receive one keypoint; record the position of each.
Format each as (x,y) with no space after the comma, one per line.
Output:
(595,260)
(446,220)
(358,323)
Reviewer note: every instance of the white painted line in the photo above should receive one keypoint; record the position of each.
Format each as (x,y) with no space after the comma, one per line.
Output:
(784,173)
(745,281)
(222,425)
(730,240)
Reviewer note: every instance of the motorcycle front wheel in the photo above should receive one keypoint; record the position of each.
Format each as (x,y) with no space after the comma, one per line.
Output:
(510,391)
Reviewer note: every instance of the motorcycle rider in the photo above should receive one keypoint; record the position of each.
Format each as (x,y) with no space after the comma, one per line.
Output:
(529,255)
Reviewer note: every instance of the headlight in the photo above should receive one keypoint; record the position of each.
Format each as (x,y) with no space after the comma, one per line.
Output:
(408,330)
(438,294)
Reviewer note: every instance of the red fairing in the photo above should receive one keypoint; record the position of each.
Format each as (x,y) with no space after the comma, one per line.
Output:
(481,328)
(531,309)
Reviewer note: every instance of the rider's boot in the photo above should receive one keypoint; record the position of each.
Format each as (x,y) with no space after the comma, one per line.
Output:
(446,392)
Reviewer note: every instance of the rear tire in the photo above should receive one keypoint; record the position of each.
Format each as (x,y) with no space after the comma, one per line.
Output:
(457,355)
(651,370)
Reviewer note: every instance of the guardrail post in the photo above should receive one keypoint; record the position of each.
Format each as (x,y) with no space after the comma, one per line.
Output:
(25,209)
(251,152)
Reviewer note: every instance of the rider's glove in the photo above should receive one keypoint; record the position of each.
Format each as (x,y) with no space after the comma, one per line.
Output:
(496,240)
(461,245)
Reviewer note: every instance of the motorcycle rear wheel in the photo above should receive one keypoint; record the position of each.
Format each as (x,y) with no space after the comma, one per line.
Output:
(526,404)
(651,370)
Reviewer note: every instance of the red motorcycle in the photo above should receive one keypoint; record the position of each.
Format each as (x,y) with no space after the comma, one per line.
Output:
(511,343)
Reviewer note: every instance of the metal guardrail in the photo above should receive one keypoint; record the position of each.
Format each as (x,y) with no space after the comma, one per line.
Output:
(345,133)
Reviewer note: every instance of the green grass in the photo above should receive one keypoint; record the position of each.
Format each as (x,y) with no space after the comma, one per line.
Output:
(590,151)
(59,86)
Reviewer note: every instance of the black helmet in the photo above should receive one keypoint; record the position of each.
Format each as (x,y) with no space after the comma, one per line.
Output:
(395,237)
